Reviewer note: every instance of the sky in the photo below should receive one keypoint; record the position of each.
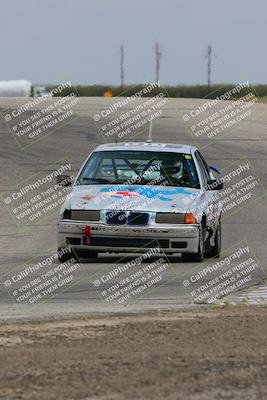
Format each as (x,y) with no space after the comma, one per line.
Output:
(49,41)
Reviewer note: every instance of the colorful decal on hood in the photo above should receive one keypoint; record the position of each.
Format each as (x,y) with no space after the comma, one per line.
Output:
(145,191)
(87,197)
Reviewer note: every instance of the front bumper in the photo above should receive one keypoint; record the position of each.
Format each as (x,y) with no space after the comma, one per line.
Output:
(180,238)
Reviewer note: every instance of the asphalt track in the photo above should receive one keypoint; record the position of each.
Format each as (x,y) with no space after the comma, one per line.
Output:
(20,243)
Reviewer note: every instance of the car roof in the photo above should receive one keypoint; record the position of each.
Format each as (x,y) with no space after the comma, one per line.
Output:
(166,147)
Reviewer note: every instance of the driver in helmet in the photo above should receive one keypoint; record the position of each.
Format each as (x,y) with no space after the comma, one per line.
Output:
(173,171)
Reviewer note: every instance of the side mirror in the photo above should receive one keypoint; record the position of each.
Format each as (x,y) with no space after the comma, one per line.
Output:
(214,185)
(64,180)
(214,169)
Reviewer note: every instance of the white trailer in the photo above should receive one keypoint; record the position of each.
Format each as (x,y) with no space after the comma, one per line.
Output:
(18,88)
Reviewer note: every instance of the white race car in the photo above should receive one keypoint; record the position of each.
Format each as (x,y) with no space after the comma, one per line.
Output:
(128,196)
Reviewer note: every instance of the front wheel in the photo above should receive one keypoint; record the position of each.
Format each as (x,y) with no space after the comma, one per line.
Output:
(199,256)
(215,251)
(65,254)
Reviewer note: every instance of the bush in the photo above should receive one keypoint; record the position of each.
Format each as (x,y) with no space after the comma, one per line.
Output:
(183,91)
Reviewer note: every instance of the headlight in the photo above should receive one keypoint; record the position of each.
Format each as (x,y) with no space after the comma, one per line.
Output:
(81,215)
(85,215)
(170,218)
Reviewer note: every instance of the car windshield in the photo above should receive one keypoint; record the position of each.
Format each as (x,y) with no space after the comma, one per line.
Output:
(139,167)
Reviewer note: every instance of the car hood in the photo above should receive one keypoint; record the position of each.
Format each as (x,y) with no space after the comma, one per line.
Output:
(132,197)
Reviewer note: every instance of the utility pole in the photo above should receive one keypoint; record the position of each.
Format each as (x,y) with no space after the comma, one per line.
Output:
(158,57)
(208,56)
(122,66)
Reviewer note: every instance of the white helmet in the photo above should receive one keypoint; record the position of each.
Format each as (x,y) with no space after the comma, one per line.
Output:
(172,168)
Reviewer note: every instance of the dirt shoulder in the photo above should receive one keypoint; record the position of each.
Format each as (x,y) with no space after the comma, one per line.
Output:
(214,354)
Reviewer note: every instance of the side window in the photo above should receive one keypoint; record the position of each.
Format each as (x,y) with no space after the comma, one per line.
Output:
(203,169)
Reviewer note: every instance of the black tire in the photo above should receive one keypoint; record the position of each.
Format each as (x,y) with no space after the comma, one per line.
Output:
(215,251)
(66,256)
(199,256)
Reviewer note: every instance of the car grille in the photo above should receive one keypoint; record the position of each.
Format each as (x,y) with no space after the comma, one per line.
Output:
(129,218)
(136,218)
(128,242)
(85,215)
(116,217)
(72,240)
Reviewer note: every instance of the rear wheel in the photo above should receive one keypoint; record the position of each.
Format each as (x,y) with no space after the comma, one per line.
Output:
(199,256)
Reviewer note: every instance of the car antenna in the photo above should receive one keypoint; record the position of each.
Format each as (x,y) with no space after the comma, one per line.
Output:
(149,140)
